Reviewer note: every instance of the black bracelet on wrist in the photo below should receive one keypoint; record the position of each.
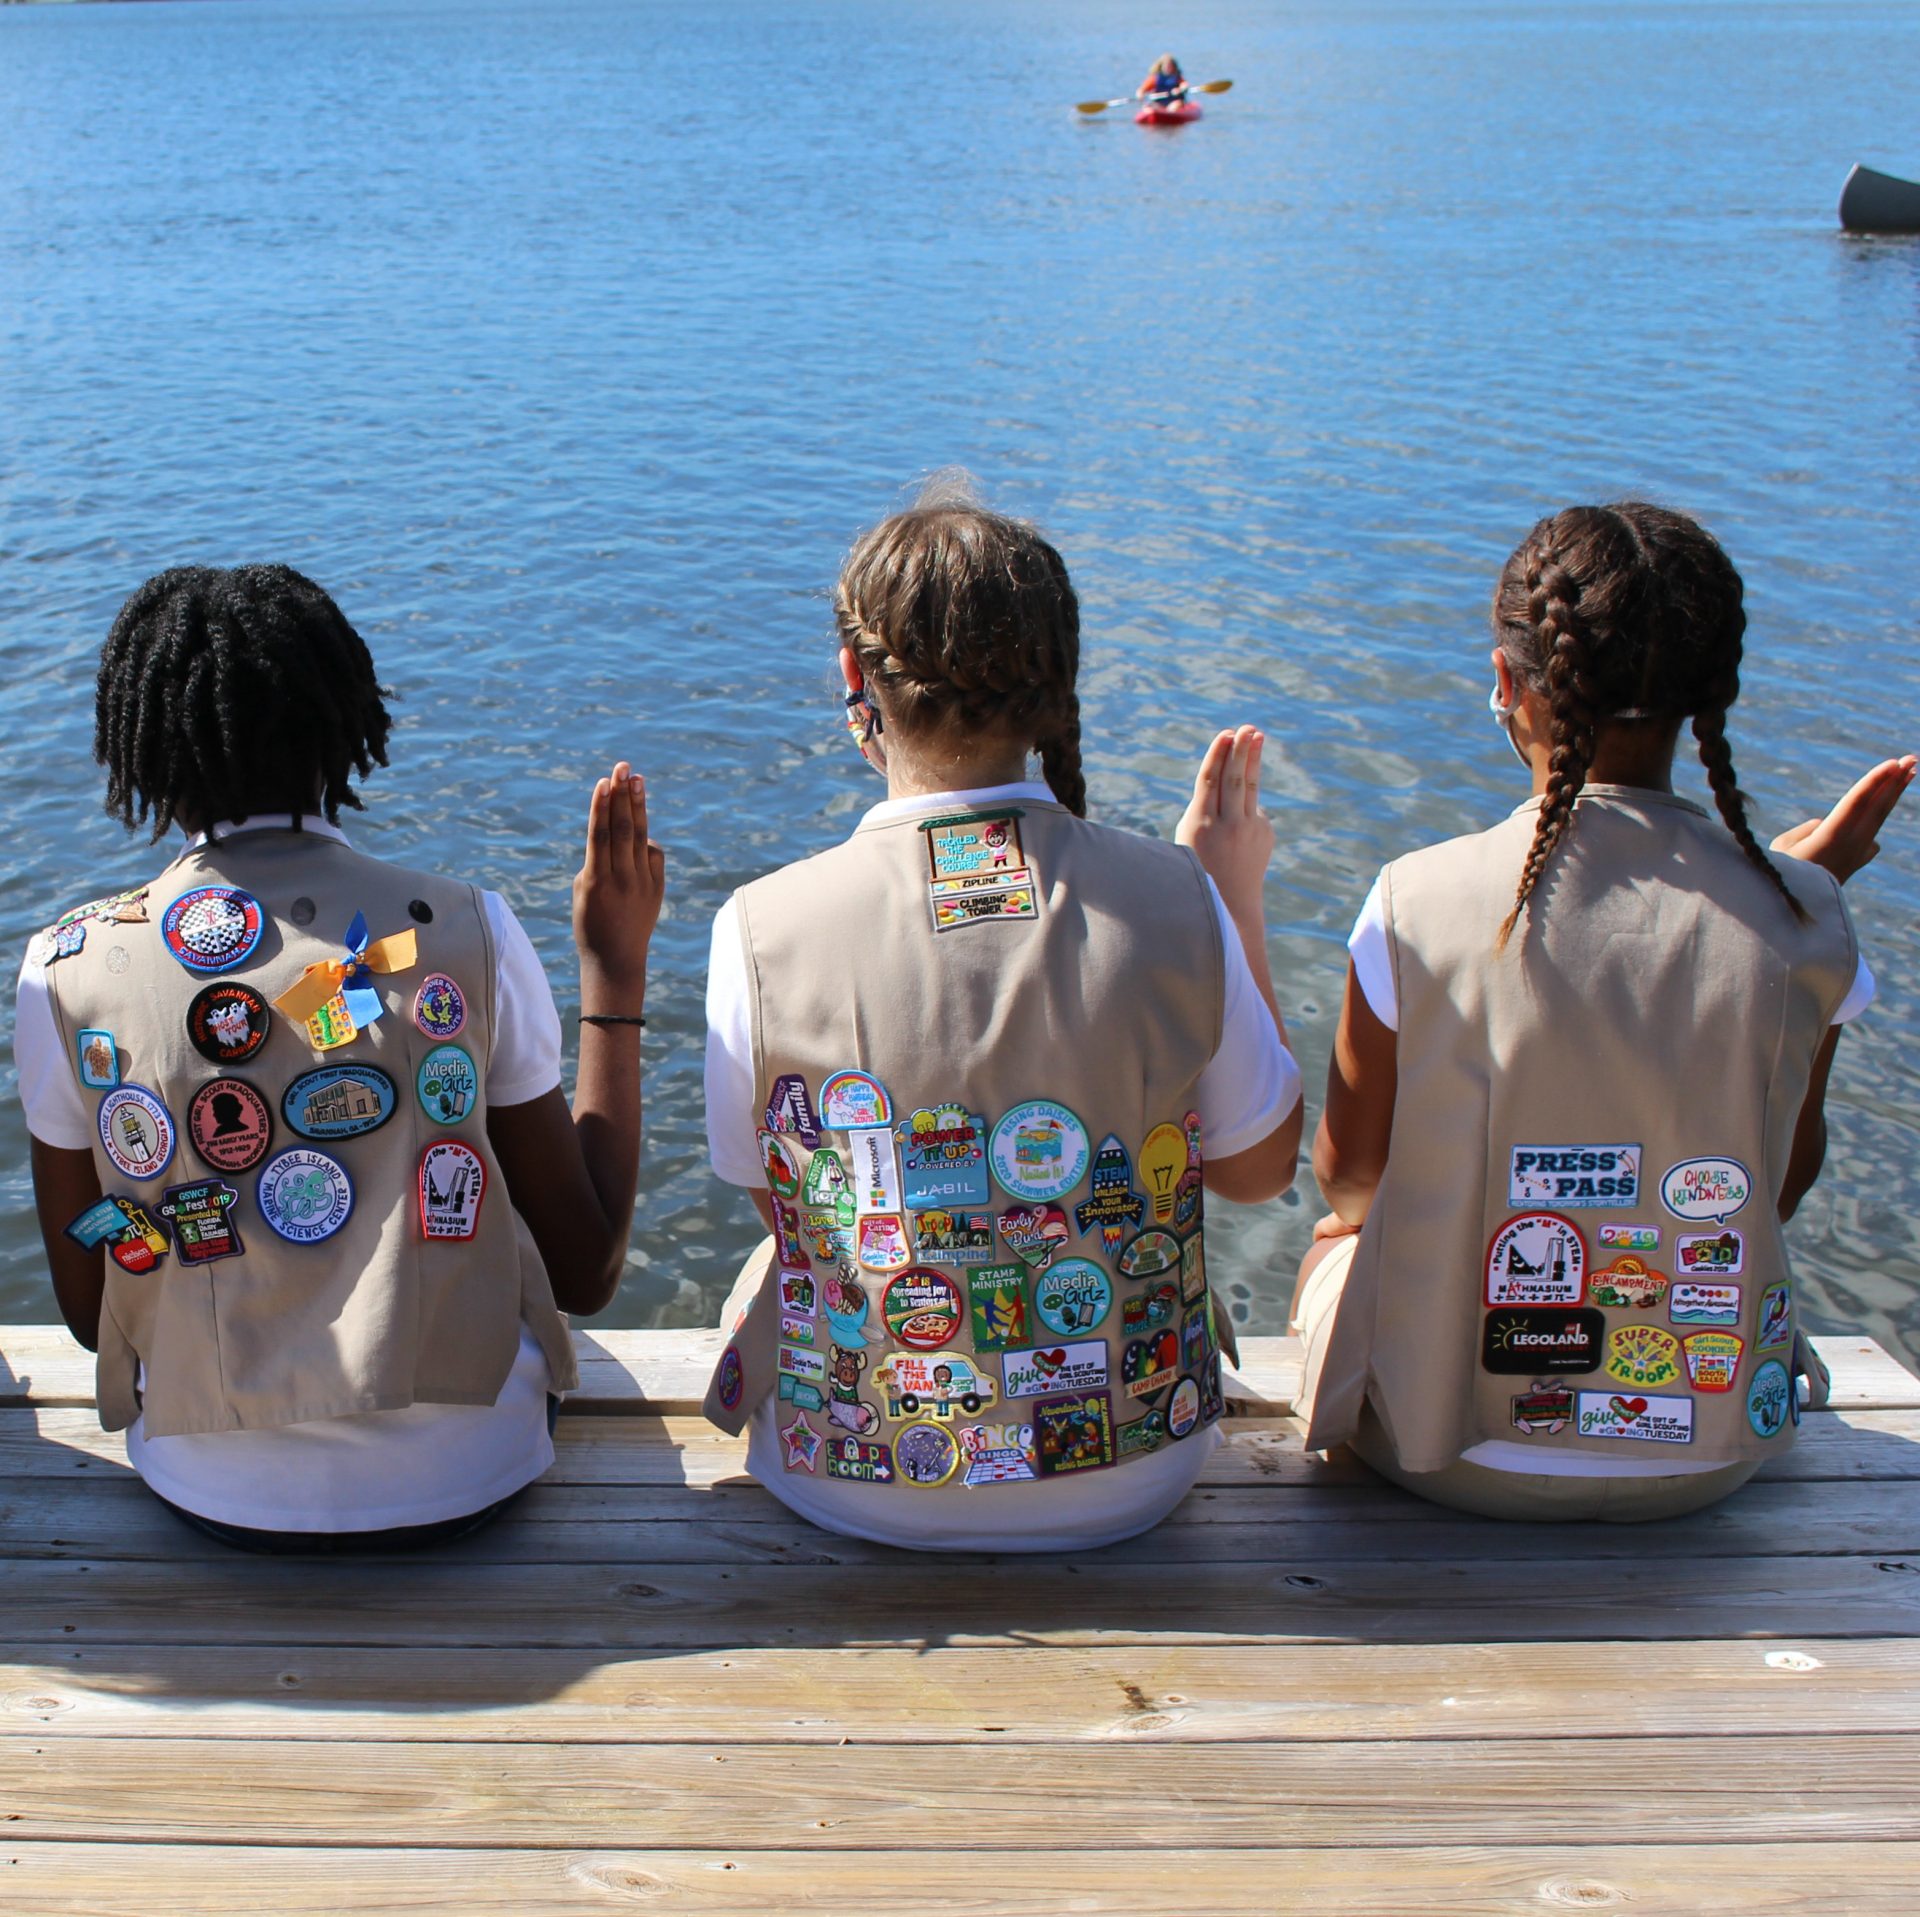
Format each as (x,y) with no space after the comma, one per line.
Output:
(611,1018)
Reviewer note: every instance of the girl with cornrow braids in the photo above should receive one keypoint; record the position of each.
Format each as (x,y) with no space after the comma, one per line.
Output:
(1580,1075)
(306,1175)
(981,1065)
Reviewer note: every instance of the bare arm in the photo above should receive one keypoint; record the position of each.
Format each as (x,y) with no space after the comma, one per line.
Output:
(572,1176)
(65,1183)
(1809,1151)
(1363,1079)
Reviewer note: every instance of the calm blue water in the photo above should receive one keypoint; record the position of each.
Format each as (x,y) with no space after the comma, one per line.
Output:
(570,341)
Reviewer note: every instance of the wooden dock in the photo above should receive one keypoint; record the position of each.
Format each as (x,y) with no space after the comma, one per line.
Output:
(653,1688)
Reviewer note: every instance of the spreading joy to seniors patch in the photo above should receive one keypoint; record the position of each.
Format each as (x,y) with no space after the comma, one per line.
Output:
(1574,1175)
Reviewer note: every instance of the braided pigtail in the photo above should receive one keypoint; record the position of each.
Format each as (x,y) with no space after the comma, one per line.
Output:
(1060,759)
(1710,729)
(1552,600)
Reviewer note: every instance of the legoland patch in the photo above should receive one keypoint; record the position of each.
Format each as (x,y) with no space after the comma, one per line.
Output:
(1520,1340)
(1569,1177)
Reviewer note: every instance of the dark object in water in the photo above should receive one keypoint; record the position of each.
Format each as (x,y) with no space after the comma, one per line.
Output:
(1873,202)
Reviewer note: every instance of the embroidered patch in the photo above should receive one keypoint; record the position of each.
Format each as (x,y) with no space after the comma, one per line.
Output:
(202,1227)
(1609,1414)
(800,1441)
(1704,1304)
(998,1297)
(998,1454)
(874,1168)
(101,1220)
(1072,1296)
(845,1407)
(137,1131)
(781,1167)
(1213,1398)
(1038,1151)
(1536,1259)
(1721,1254)
(1035,1234)
(1073,1433)
(925,1454)
(881,1244)
(1112,1207)
(142,1244)
(924,1309)
(99,1059)
(1699,1189)
(339,1101)
(970,845)
(792,1252)
(1143,1436)
(1163,1162)
(1643,1355)
(229,1125)
(1627,1285)
(1568,1177)
(797,1293)
(800,1361)
(1183,1409)
(1520,1340)
(854,1101)
(953,1237)
(228,1022)
(1769,1395)
(1150,1254)
(212,928)
(827,1187)
(790,1110)
(448,1084)
(855,1462)
(944,1156)
(914,1382)
(1193,1269)
(1149,1365)
(304,1195)
(978,901)
(453,1180)
(848,1306)
(1712,1359)
(1075,1367)
(1776,1317)
(1150,1309)
(1617,1237)
(330,1025)
(1543,1412)
(440,1007)
(730,1384)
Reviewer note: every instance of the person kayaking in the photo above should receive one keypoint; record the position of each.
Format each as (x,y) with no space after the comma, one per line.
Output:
(1166,85)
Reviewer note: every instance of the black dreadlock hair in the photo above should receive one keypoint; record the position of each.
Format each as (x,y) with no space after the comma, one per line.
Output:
(226,692)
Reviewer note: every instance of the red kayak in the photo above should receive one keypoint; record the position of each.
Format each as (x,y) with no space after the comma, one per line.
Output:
(1176,115)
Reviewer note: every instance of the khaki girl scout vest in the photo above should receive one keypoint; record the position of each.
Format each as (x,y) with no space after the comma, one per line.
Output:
(300,1233)
(978,1038)
(1575,1246)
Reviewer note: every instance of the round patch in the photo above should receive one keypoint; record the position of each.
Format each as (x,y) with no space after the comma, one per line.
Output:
(440,1007)
(925,1453)
(1150,1254)
(1038,1150)
(923,1308)
(1769,1399)
(1072,1296)
(339,1101)
(228,1022)
(1538,1258)
(733,1379)
(453,1180)
(1183,1408)
(212,927)
(137,1131)
(448,1083)
(229,1125)
(304,1195)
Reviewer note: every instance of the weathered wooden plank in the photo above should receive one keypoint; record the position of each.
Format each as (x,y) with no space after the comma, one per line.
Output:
(556,1797)
(1703,1880)
(739,1523)
(1153,1693)
(440,1601)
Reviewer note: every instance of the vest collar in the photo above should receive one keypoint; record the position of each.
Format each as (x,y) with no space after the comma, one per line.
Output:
(1632,797)
(314,827)
(926,805)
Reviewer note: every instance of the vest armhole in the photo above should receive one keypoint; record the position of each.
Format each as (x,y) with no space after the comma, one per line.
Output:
(1210,917)
(750,966)
(476,896)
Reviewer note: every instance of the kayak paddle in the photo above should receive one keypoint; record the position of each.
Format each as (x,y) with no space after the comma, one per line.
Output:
(1134,99)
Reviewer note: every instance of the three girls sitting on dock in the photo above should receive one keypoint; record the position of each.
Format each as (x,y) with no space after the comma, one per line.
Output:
(1553,1282)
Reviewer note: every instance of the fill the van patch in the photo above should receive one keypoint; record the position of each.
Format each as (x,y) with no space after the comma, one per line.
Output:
(1572,1175)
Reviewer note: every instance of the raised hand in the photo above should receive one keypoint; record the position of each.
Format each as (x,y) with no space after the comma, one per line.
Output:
(617,894)
(1224,824)
(1849,836)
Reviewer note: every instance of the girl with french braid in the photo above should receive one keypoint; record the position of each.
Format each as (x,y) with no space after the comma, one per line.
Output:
(980,1066)
(1579,1080)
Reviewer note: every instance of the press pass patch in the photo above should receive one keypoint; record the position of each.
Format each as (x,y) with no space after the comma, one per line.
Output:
(1568,1177)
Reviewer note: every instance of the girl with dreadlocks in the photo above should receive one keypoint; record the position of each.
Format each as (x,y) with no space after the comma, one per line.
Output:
(969,1059)
(304,1170)
(1580,1074)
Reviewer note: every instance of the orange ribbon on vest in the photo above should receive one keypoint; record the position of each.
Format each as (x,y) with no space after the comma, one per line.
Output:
(347,978)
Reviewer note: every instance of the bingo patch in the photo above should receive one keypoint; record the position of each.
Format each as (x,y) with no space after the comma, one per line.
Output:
(440,1007)
(1075,1367)
(1643,1355)
(1039,1151)
(925,1454)
(983,900)
(1567,1177)
(203,1229)
(1522,1339)
(1628,1285)
(998,1454)
(973,845)
(212,927)
(1072,1296)
(914,1383)
(448,1084)
(1769,1399)
(1536,1259)
(137,1131)
(304,1195)
(924,1309)
(1543,1412)
(229,1125)
(854,1101)
(453,1180)
(1073,1433)
(98,1057)
(1112,1207)
(1702,1190)
(944,1157)
(228,1022)
(1613,1414)
(339,1101)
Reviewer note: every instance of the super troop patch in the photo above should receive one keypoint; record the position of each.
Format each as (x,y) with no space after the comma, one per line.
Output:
(1568,1177)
